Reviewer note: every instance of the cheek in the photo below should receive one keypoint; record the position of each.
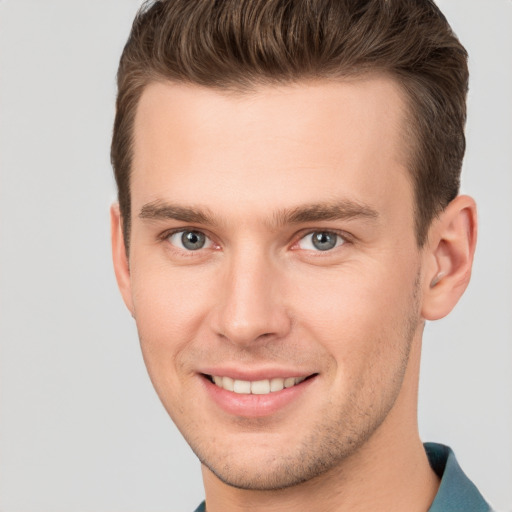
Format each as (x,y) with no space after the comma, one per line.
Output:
(170,306)
(348,299)
(359,317)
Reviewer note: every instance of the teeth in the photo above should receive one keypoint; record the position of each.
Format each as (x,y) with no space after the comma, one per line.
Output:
(260,387)
(289,382)
(242,386)
(276,385)
(228,383)
(257,387)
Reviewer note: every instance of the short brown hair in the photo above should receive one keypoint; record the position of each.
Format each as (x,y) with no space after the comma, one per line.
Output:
(240,44)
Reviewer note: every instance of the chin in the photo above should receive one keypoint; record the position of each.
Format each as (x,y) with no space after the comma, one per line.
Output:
(271,479)
(273,468)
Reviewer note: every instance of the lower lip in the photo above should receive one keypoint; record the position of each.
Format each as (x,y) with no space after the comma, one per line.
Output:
(255,406)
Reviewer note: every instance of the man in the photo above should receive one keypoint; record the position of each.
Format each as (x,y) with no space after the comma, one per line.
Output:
(288,219)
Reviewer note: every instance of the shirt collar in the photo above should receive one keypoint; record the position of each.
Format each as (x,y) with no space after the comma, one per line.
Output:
(456,492)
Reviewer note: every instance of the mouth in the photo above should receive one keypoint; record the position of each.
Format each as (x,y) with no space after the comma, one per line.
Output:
(256,387)
(259,397)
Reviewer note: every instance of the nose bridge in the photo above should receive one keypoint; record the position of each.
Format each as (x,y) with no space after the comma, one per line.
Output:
(251,305)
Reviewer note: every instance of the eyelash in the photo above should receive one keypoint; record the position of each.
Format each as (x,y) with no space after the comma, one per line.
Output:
(165,236)
(342,239)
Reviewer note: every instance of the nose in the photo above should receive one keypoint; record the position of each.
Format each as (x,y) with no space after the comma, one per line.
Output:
(251,305)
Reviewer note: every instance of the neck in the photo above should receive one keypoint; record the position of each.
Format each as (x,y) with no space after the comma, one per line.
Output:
(389,472)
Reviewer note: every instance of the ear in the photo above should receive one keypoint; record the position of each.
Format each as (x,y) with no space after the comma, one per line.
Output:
(119,257)
(449,257)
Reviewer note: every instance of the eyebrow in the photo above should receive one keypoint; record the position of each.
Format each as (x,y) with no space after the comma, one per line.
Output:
(337,210)
(161,210)
(316,212)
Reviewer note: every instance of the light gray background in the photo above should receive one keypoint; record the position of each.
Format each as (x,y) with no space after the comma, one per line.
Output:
(81,428)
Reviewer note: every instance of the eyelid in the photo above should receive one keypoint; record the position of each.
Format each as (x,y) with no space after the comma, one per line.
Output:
(344,236)
(164,237)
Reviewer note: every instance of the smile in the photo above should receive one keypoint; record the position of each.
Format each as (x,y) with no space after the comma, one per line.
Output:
(256,387)
(255,396)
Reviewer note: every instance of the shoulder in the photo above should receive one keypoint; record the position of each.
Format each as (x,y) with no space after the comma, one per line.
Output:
(456,492)
(201,508)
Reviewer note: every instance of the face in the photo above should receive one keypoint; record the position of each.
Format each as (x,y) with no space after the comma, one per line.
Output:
(273,271)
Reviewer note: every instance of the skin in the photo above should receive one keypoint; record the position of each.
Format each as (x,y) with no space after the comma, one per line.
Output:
(257,173)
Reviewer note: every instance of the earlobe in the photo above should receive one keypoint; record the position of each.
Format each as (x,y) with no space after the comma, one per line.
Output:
(449,257)
(119,257)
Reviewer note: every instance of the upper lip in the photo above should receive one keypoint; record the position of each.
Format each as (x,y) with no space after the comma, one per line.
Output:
(255,374)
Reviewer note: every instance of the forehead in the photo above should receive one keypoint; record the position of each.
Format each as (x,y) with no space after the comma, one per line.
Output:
(313,140)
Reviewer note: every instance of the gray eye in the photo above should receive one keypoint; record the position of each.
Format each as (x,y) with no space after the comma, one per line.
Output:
(321,241)
(193,240)
(189,240)
(324,241)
